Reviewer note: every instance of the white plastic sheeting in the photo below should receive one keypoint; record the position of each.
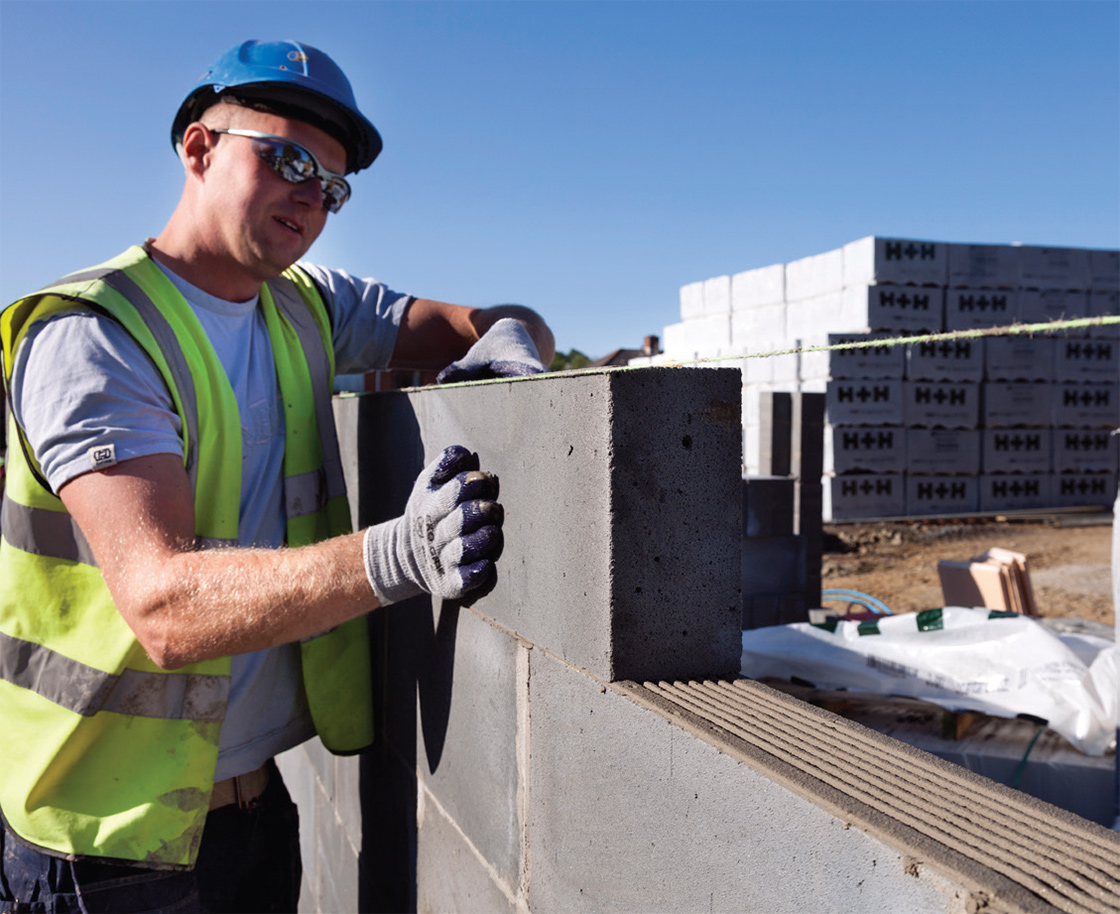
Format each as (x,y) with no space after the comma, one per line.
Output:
(964,659)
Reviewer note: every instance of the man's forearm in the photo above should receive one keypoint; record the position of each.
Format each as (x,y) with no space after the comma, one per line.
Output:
(199,605)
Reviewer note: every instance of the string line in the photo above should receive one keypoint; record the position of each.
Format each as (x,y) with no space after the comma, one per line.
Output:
(1079,323)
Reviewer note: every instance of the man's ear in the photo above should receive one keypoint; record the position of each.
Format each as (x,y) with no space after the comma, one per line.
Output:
(195,147)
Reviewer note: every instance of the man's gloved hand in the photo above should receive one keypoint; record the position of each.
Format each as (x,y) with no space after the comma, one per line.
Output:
(504,351)
(447,540)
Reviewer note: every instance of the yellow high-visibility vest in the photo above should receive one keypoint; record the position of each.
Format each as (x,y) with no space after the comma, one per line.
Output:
(105,754)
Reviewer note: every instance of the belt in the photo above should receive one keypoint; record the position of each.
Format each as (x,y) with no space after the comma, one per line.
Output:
(245,790)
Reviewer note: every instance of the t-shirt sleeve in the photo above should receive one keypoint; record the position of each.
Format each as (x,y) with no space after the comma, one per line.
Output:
(87,396)
(367,315)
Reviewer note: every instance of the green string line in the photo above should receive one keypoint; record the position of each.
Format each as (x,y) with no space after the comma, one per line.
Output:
(1008,330)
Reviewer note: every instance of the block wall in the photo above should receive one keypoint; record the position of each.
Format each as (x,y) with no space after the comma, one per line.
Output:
(981,425)
(512,771)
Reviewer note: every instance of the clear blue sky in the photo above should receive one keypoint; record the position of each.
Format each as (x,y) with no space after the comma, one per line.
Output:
(589,158)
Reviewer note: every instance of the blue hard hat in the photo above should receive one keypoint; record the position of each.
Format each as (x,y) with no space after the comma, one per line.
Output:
(292,79)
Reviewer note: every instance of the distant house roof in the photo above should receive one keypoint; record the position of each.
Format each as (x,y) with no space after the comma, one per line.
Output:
(618,357)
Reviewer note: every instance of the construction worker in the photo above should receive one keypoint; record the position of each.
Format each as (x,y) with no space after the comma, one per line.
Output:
(182,598)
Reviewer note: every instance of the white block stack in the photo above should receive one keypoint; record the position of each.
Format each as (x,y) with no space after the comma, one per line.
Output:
(975,424)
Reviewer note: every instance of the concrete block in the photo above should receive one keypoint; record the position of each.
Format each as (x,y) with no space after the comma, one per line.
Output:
(1086,405)
(468,761)
(692,300)
(1016,404)
(814,360)
(1104,304)
(1018,492)
(863,497)
(758,288)
(1087,361)
(348,804)
(949,451)
(776,432)
(898,309)
(750,330)
(772,361)
(675,341)
(1042,306)
(1084,490)
(753,402)
(810,316)
(707,336)
(685,828)
(945,360)
(941,494)
(872,449)
(1104,270)
(854,402)
(934,404)
(984,266)
(1018,450)
(451,875)
(974,309)
(773,564)
(717,295)
(757,367)
(1053,268)
(865,362)
(340,884)
(807,435)
(1086,450)
(895,260)
(768,506)
(643,469)
(764,609)
(814,276)
(752,465)
(1018,358)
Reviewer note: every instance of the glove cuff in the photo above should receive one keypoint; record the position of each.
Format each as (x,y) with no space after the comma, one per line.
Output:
(388,579)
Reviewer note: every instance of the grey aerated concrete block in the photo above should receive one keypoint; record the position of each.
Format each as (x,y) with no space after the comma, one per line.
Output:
(467,759)
(622,499)
(631,813)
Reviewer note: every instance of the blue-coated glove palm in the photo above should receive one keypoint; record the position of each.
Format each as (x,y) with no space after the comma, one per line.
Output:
(447,540)
(504,351)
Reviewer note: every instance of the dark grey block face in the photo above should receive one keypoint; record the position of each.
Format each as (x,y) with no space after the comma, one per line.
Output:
(631,813)
(623,507)
(468,739)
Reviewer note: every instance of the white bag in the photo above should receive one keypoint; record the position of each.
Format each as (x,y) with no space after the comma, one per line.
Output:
(997,663)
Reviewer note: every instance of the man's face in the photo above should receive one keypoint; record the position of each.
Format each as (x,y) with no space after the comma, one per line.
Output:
(261,221)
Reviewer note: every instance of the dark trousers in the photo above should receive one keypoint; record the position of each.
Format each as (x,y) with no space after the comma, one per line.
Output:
(248,861)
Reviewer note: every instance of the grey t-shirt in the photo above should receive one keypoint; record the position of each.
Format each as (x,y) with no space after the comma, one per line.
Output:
(80,382)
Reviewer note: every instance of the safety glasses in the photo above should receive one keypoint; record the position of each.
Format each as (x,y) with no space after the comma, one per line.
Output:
(294,164)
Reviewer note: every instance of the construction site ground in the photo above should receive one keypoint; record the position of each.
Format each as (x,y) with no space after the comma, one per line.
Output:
(1069,558)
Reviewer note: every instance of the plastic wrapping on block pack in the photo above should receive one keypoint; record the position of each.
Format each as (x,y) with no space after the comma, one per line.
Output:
(962,658)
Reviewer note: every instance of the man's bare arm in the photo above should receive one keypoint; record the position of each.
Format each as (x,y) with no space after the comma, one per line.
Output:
(186,605)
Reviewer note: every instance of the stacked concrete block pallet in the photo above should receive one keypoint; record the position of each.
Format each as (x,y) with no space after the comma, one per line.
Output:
(783,538)
(970,425)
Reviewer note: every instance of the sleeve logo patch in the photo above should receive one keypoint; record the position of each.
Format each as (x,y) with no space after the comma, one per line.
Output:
(102,456)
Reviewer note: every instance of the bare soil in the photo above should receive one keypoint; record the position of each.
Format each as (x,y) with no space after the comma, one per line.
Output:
(1069,557)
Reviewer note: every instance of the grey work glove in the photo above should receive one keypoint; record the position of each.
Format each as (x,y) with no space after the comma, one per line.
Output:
(447,540)
(504,351)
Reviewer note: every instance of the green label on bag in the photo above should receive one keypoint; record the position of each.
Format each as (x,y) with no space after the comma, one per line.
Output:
(929,620)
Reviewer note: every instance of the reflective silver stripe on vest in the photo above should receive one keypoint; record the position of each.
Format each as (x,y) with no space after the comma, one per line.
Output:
(43,532)
(309,492)
(85,690)
(57,535)
(168,343)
